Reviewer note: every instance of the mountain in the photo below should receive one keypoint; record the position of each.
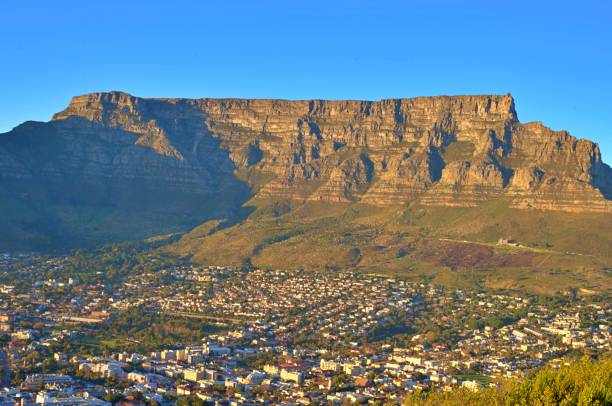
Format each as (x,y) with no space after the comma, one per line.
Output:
(261,175)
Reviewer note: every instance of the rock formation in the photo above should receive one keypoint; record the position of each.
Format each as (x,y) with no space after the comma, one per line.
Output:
(173,155)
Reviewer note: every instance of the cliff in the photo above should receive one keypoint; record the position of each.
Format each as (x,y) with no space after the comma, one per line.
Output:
(198,159)
(443,150)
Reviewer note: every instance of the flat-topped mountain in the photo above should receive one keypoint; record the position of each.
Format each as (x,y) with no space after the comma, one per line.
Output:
(113,166)
(440,150)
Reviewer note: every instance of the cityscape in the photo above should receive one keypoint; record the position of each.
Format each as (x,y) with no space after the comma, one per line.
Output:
(262,336)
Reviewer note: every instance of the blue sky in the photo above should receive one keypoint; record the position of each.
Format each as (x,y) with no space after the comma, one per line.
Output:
(554,57)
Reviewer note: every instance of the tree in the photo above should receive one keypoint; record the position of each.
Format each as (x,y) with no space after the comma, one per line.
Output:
(191,400)
(113,397)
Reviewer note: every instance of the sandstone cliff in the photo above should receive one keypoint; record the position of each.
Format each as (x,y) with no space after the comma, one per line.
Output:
(444,150)
(209,155)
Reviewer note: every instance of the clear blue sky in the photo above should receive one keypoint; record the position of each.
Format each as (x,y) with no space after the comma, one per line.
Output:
(555,57)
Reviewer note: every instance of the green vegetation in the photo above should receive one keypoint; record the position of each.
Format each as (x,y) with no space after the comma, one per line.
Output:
(341,382)
(482,379)
(454,247)
(580,383)
(496,321)
(259,360)
(191,400)
(138,330)
(112,263)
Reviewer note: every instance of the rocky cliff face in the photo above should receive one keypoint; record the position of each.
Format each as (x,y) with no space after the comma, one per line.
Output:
(178,154)
(443,150)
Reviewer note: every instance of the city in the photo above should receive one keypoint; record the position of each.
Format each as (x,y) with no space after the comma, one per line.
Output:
(245,336)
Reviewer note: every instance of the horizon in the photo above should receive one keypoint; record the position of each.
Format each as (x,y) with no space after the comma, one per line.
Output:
(554,58)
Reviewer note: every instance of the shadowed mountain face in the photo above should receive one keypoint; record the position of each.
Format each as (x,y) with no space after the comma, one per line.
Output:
(76,181)
(113,166)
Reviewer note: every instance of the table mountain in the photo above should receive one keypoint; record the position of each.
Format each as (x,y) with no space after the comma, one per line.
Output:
(113,166)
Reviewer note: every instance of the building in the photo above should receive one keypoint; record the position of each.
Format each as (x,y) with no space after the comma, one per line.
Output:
(182,355)
(168,355)
(292,376)
(44,399)
(255,378)
(328,365)
(215,350)
(351,369)
(104,370)
(212,376)
(6,322)
(41,380)
(271,370)
(138,377)
(193,375)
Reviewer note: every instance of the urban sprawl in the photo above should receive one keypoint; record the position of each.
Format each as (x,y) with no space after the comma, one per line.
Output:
(268,336)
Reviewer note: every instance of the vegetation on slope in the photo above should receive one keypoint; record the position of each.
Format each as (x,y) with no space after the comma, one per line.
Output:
(581,383)
(450,246)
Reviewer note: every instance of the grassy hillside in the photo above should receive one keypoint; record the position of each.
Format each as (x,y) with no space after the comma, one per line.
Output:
(453,246)
(578,383)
